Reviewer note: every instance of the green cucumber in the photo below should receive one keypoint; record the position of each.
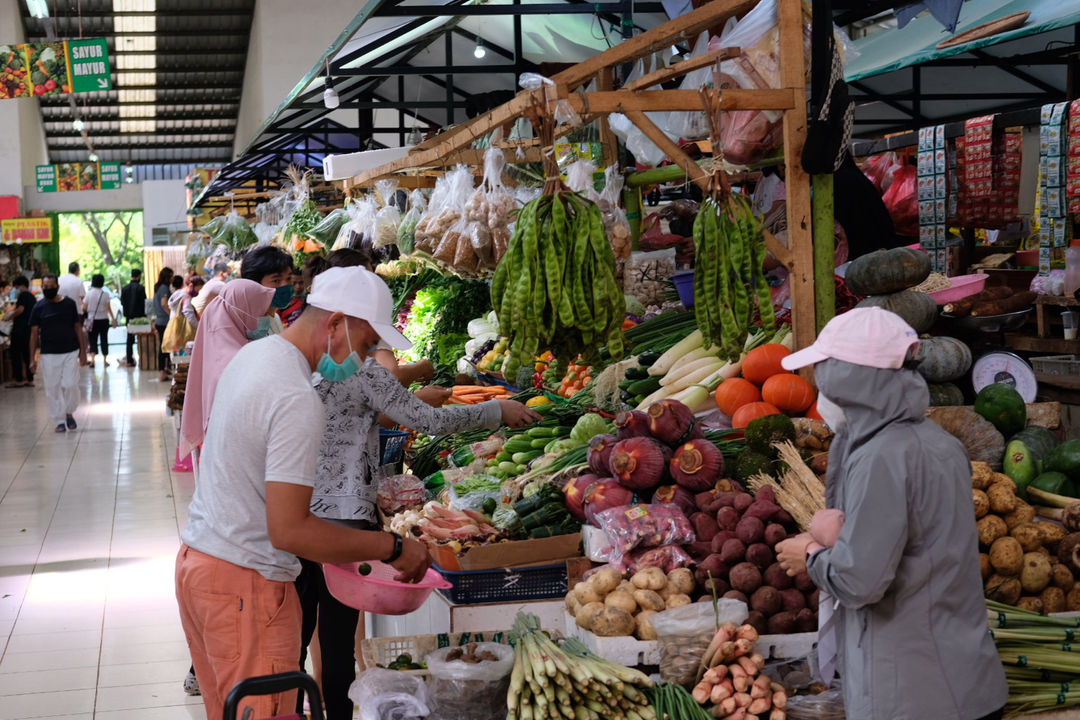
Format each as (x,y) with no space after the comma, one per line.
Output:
(503,456)
(644,387)
(508,466)
(636,373)
(522,458)
(646,359)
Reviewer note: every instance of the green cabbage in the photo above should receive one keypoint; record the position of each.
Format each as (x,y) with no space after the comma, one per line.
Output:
(588,426)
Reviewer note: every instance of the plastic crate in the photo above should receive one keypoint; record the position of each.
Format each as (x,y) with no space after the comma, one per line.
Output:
(470,587)
(1057,364)
(383,651)
(392,446)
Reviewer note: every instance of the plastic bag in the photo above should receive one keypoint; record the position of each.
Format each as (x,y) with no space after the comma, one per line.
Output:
(693,125)
(488,211)
(646,274)
(462,690)
(880,169)
(388,217)
(644,526)
(579,178)
(615,223)
(684,634)
(406,232)
(666,557)
(389,695)
(640,146)
(828,705)
(902,201)
(359,230)
(396,491)
(327,230)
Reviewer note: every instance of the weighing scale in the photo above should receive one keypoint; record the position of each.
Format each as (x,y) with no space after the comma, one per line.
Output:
(1000,366)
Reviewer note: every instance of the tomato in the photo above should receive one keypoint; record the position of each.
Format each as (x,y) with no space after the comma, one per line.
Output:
(50,84)
(39,89)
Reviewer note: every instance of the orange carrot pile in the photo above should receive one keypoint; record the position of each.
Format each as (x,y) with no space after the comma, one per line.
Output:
(473,394)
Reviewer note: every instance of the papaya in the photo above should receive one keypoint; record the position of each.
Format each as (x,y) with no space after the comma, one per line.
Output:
(1003,407)
(1065,459)
(1054,482)
(1025,455)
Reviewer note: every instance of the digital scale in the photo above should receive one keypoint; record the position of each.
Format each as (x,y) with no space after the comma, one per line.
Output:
(999,366)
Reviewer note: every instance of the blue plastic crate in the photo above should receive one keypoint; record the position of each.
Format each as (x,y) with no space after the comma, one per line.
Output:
(392,446)
(471,587)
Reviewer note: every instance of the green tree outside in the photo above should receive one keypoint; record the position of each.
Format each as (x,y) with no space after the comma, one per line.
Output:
(109,243)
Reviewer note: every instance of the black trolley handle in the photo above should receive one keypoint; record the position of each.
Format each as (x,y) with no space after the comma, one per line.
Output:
(270,684)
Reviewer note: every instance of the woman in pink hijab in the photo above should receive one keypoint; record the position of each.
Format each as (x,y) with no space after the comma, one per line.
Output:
(225,327)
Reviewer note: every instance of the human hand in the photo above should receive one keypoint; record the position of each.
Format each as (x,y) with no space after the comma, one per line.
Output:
(33,367)
(826,525)
(791,553)
(514,414)
(423,371)
(414,561)
(82,359)
(433,395)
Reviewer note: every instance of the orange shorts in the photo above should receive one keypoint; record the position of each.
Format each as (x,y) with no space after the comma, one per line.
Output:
(238,625)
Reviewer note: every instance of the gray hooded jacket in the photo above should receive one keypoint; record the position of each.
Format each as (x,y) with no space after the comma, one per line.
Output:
(911,620)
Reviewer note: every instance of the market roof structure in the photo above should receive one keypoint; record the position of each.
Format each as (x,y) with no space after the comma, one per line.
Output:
(177,72)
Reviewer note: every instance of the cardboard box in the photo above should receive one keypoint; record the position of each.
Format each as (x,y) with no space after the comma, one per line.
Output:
(515,553)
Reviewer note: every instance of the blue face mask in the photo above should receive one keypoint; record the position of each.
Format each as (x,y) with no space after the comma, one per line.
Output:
(339,371)
(282,297)
(262,329)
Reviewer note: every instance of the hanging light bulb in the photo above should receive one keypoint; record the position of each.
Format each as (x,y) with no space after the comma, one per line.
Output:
(77,125)
(479,52)
(93,157)
(129,171)
(330,97)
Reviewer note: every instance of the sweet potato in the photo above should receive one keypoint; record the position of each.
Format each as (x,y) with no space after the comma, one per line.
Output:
(761,555)
(733,552)
(774,533)
(720,538)
(763,510)
(793,600)
(742,501)
(750,530)
(962,308)
(767,600)
(783,623)
(704,525)
(728,518)
(745,577)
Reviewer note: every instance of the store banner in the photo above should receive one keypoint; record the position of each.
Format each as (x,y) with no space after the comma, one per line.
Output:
(70,177)
(54,68)
(25,230)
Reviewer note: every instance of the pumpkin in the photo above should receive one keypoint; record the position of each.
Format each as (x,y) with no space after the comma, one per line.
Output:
(917,309)
(735,392)
(981,439)
(788,392)
(813,413)
(752,411)
(943,359)
(945,394)
(763,362)
(887,271)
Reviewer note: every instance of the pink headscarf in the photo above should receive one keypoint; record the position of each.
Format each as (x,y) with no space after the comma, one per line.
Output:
(222,332)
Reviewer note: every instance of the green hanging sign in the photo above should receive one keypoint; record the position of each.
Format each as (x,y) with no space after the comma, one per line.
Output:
(89,63)
(71,177)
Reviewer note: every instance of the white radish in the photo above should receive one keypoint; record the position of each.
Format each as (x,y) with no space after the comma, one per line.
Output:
(689,343)
(696,374)
(681,370)
(690,357)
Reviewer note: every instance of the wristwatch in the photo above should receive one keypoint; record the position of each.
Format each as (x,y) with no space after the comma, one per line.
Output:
(399,545)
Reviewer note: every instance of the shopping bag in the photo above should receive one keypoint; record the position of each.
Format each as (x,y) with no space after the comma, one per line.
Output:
(178,333)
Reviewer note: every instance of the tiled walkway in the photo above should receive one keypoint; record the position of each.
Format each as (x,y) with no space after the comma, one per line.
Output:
(89,528)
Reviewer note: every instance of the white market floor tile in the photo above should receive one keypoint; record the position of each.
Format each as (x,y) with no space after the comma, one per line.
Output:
(89,529)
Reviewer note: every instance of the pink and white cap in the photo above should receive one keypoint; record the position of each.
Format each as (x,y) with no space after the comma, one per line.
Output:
(872,337)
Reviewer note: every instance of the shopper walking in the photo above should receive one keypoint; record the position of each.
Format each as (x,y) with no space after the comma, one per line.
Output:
(162,291)
(55,330)
(71,286)
(271,267)
(212,288)
(250,516)
(20,333)
(97,309)
(133,302)
(903,574)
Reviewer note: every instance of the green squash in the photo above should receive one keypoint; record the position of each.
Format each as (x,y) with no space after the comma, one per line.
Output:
(1002,406)
(887,271)
(1065,459)
(945,394)
(943,359)
(917,309)
(1025,455)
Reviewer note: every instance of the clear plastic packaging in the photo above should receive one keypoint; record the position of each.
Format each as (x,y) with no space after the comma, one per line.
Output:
(579,178)
(829,705)
(358,231)
(396,491)
(388,217)
(389,695)
(615,223)
(326,232)
(693,124)
(646,274)
(461,690)
(406,232)
(665,557)
(631,527)
(684,634)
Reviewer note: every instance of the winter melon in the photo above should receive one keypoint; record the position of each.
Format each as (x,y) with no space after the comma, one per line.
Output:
(917,309)
(1002,406)
(945,394)
(1065,458)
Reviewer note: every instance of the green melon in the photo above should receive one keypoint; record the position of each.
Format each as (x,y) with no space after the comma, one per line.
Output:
(1002,406)
(1065,458)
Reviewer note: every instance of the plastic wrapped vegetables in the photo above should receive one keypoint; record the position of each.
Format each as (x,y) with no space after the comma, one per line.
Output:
(555,288)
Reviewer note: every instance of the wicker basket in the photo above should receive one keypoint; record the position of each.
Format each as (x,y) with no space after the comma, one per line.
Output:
(383,651)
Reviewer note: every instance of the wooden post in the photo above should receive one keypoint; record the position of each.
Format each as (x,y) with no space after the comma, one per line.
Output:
(800,241)
(605,81)
(824,250)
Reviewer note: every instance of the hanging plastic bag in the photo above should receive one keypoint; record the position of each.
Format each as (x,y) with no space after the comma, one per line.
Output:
(640,146)
(327,230)
(880,169)
(406,234)
(615,222)
(693,125)
(389,216)
(902,201)
(358,232)
(462,690)
(389,695)
(451,227)
(579,178)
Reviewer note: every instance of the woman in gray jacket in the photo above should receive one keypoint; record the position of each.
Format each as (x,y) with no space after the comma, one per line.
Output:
(902,577)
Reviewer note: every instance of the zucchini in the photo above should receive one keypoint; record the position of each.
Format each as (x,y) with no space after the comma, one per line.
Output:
(647,358)
(540,443)
(636,373)
(645,387)
(522,458)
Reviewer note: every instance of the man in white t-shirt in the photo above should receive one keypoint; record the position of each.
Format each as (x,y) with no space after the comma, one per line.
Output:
(250,517)
(72,287)
(212,288)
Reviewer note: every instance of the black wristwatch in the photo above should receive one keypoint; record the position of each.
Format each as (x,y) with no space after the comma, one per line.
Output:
(399,546)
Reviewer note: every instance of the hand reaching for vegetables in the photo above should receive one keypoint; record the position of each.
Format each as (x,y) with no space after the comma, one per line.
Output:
(433,395)
(414,561)
(514,414)
(826,525)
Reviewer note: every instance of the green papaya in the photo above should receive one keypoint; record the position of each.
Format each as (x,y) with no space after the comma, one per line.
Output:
(1003,407)
(1053,482)
(1025,455)
(1065,459)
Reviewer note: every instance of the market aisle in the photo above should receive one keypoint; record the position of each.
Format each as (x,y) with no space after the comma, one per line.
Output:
(88,536)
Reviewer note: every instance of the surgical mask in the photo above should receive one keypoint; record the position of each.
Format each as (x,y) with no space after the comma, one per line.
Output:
(339,371)
(831,413)
(262,329)
(282,297)
(50,293)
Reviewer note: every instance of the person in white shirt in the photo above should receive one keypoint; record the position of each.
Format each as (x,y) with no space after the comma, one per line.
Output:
(212,288)
(97,308)
(72,287)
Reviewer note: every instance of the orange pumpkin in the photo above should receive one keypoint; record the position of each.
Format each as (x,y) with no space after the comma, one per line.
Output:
(752,411)
(789,392)
(735,392)
(813,414)
(763,362)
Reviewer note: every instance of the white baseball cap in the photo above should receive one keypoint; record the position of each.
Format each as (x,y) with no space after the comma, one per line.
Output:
(361,294)
(870,336)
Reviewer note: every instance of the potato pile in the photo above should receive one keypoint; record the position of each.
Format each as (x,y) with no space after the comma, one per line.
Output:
(1018,556)
(609,606)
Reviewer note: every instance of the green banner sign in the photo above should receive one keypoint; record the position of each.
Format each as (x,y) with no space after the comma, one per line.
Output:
(54,68)
(46,178)
(89,63)
(72,177)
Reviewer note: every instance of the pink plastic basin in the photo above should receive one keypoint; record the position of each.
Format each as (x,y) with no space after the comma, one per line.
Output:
(377,592)
(962,287)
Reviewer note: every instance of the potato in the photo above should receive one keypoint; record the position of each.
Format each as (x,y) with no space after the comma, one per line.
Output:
(1021,514)
(1035,574)
(645,630)
(649,600)
(572,603)
(678,600)
(1052,535)
(613,622)
(1006,556)
(984,566)
(1061,576)
(649,579)
(1006,589)
(1053,600)
(587,614)
(1072,599)
(1028,535)
(627,586)
(586,593)
(681,580)
(990,529)
(621,599)
(666,592)
(1002,498)
(1044,552)
(1031,604)
(981,475)
(606,580)
(982,503)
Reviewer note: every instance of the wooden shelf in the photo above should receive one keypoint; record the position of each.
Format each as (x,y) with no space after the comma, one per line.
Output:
(1049,346)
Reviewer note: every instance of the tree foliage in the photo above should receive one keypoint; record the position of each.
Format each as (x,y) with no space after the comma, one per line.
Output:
(109,243)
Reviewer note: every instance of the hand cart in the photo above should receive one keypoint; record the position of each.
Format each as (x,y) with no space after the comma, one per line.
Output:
(270,684)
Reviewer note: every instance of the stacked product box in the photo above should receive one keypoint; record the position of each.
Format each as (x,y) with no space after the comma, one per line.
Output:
(1053,166)
(933,187)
